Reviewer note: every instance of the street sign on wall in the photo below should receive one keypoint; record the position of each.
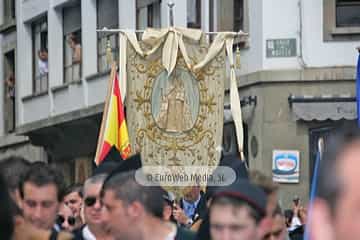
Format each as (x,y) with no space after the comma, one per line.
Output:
(281,48)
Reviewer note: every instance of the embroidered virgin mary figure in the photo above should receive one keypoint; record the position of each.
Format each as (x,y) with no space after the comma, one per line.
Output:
(174,115)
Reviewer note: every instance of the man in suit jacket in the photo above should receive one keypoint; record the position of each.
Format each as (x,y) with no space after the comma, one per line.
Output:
(191,208)
(94,227)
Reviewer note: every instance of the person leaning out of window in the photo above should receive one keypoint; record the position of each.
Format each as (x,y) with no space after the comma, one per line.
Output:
(74,43)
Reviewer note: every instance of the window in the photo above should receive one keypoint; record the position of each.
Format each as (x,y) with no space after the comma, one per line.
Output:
(107,16)
(341,20)
(211,15)
(72,43)
(232,15)
(194,13)
(9,11)
(238,15)
(40,56)
(347,13)
(148,14)
(9,93)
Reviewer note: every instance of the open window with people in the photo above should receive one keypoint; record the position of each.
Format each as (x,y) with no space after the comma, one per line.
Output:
(9,99)
(40,56)
(72,44)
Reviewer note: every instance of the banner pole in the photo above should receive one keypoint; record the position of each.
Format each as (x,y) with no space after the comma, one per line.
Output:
(105,113)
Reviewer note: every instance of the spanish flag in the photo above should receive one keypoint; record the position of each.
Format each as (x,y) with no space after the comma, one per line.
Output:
(113,131)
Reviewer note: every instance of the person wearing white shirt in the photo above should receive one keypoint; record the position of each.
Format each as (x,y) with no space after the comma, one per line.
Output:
(43,61)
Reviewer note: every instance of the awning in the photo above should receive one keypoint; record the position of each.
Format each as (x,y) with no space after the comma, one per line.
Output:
(247,103)
(320,108)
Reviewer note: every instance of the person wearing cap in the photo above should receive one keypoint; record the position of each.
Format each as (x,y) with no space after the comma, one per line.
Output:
(93,211)
(236,212)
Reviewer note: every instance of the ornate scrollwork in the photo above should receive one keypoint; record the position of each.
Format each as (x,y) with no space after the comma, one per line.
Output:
(179,143)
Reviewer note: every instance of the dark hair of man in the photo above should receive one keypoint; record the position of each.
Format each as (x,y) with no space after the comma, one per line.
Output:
(41,174)
(13,168)
(262,181)
(329,182)
(76,187)
(236,203)
(128,190)
(6,212)
(43,49)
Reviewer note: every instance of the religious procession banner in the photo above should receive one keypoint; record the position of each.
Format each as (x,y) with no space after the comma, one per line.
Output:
(175,95)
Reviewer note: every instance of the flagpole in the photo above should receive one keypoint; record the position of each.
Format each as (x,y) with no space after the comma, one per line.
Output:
(358,88)
(105,113)
(239,34)
(171,13)
(319,154)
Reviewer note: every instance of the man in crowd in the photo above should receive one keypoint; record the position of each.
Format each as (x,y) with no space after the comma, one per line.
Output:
(7,214)
(237,212)
(13,168)
(73,198)
(93,211)
(65,218)
(191,207)
(169,203)
(278,227)
(41,191)
(134,211)
(270,188)
(334,214)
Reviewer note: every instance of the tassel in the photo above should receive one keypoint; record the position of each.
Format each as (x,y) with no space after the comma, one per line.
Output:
(109,57)
(237,60)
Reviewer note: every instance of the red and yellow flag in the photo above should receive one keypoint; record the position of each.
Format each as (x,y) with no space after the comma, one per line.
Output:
(113,131)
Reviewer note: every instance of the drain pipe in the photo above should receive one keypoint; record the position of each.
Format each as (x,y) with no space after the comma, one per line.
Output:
(300,56)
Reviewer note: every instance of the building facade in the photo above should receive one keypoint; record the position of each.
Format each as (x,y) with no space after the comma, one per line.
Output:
(297,62)
(10,143)
(299,67)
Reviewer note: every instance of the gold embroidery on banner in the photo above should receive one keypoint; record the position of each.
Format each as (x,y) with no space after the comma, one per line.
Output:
(174,143)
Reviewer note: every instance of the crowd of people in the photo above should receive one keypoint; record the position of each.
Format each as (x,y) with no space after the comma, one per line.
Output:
(112,204)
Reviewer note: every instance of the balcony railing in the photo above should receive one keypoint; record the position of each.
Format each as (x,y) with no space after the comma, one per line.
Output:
(72,73)
(41,83)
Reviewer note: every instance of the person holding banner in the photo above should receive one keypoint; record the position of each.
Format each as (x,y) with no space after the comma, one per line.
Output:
(334,212)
